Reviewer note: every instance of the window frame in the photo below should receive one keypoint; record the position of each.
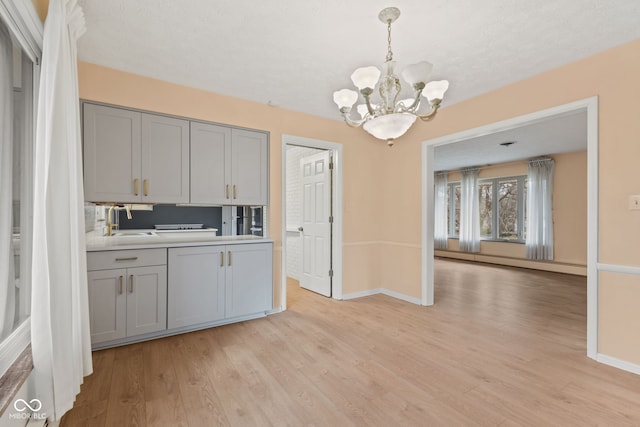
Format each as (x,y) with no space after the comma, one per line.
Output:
(25,26)
(521,183)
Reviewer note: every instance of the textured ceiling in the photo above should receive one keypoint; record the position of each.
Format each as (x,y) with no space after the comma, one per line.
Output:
(293,54)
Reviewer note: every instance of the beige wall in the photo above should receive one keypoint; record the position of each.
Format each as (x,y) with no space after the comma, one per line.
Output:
(613,77)
(361,156)
(569,215)
(41,7)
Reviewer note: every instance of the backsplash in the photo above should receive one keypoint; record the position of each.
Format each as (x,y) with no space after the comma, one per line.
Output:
(210,216)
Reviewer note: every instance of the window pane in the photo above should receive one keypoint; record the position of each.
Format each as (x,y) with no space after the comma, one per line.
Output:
(485,190)
(14,301)
(524,207)
(449,210)
(508,209)
(457,210)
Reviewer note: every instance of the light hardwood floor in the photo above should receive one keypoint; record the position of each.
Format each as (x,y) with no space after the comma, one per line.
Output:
(502,346)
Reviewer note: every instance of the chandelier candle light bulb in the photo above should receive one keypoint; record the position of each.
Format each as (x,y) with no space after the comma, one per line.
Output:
(390,119)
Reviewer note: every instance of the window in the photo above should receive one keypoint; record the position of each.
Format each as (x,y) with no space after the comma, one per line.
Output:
(485,191)
(19,47)
(502,208)
(453,202)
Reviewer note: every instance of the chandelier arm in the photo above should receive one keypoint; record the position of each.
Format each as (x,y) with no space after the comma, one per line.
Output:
(411,108)
(367,99)
(348,120)
(431,114)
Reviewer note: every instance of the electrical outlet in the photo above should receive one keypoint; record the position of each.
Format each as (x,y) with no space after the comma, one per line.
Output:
(634,203)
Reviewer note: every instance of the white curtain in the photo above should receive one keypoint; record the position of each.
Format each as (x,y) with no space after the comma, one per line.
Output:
(469,211)
(539,244)
(440,232)
(7,272)
(60,316)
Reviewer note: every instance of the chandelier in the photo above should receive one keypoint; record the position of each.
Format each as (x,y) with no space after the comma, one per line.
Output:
(390,118)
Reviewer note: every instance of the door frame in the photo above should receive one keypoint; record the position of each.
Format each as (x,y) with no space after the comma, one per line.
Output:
(428,151)
(336,235)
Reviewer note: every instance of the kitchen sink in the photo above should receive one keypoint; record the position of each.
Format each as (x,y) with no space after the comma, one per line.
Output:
(128,233)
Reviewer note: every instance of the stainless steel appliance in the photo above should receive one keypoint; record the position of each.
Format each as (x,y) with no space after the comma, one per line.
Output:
(249,220)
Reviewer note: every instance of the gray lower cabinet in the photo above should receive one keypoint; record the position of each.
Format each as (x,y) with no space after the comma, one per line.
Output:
(196,285)
(127,293)
(211,283)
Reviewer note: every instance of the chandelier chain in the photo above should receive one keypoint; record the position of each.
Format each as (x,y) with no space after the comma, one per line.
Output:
(389,52)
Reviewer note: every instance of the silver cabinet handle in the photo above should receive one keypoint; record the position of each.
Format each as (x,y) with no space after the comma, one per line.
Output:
(131,258)
(131,284)
(300,229)
(136,187)
(145,187)
(227,191)
(235,191)
(229,255)
(121,288)
(221,258)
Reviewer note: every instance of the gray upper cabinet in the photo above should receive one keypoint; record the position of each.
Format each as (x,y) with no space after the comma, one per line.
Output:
(210,164)
(112,150)
(228,166)
(165,159)
(249,174)
(134,157)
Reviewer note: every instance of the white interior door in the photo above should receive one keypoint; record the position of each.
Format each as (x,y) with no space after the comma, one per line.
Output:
(316,228)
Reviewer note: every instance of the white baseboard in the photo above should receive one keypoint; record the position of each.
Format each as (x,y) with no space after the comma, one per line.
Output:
(617,363)
(274,311)
(383,291)
(361,294)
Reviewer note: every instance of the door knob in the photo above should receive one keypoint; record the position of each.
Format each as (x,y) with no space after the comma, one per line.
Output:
(300,229)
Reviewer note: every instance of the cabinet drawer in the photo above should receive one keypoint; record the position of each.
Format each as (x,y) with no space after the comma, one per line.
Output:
(105,260)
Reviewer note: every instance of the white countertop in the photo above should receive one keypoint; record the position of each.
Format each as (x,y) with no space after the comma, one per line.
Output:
(97,242)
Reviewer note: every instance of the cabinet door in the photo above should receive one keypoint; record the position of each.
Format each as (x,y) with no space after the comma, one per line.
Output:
(165,159)
(249,279)
(249,167)
(196,285)
(146,299)
(107,304)
(210,164)
(112,153)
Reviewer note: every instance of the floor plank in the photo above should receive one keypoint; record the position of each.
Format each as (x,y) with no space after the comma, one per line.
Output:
(501,347)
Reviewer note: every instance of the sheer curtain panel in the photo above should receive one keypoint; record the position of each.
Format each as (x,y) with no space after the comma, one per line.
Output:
(60,315)
(539,241)
(440,232)
(469,211)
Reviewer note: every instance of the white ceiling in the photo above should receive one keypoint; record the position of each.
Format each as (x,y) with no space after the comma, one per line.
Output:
(561,134)
(293,54)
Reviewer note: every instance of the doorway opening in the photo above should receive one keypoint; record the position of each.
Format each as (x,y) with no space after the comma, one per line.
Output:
(590,106)
(311,216)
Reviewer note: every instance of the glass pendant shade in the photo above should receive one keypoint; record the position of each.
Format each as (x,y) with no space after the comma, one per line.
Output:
(416,73)
(365,77)
(435,90)
(389,126)
(345,98)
